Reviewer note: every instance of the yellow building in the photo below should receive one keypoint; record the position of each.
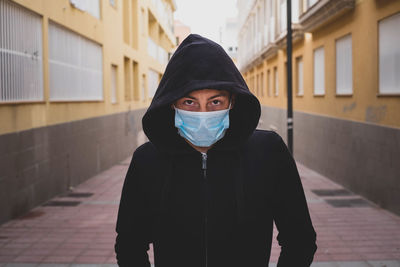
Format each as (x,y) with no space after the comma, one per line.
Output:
(76,76)
(346,86)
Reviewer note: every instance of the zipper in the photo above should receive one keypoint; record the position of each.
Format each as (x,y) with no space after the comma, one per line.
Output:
(204,167)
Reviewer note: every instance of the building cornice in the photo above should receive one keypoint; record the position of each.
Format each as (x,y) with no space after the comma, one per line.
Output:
(323,12)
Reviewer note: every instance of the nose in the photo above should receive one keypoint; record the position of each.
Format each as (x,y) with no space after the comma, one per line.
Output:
(203,107)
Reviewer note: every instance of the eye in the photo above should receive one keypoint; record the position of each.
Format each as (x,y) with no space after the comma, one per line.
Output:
(188,102)
(216,102)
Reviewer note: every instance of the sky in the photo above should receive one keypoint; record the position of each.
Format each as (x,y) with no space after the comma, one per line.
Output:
(205,17)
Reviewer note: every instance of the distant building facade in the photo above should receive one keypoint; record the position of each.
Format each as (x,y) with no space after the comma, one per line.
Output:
(230,38)
(76,76)
(181,31)
(346,86)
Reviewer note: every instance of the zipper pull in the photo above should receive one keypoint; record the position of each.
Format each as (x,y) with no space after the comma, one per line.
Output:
(204,161)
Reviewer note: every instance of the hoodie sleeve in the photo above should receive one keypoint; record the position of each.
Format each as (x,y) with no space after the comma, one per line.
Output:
(296,236)
(133,223)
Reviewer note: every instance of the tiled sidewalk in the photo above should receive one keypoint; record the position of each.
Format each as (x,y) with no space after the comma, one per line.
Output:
(83,235)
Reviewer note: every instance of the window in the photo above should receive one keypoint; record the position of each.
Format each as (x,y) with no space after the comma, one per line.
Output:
(162,56)
(144,21)
(153,82)
(21,71)
(127,79)
(276,87)
(152,48)
(344,67)
(311,3)
(114,84)
(113,3)
(300,86)
(319,71)
(262,83)
(75,66)
(90,6)
(389,55)
(269,83)
(272,20)
(143,94)
(283,21)
(295,11)
(135,80)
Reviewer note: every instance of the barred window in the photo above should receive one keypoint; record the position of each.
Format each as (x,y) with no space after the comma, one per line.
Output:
(319,71)
(344,66)
(21,67)
(75,66)
(389,55)
(153,82)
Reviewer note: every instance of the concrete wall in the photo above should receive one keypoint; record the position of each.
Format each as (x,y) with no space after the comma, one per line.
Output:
(360,156)
(40,163)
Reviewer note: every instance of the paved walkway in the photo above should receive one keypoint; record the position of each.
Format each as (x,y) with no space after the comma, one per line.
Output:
(351,231)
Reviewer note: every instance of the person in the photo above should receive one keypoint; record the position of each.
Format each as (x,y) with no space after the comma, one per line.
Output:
(208,186)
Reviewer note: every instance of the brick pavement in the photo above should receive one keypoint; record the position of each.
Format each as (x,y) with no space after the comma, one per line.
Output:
(359,234)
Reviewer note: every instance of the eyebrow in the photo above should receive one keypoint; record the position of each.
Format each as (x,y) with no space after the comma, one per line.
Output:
(215,96)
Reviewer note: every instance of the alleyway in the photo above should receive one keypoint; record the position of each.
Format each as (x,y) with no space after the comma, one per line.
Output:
(78,229)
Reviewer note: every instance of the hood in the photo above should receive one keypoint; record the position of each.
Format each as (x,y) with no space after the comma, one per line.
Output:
(199,63)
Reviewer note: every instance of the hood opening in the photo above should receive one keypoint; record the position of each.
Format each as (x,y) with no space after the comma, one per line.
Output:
(200,63)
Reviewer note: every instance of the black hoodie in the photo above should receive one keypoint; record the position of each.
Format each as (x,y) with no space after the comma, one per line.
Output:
(216,211)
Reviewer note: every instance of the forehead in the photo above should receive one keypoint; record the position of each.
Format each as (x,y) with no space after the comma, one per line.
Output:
(207,93)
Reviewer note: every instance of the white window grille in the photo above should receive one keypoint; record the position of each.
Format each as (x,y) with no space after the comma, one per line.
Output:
(152,48)
(114,83)
(295,11)
(21,71)
(276,81)
(272,29)
(282,9)
(157,52)
(311,3)
(300,86)
(319,71)
(153,82)
(75,66)
(389,55)
(162,56)
(266,21)
(344,66)
(90,6)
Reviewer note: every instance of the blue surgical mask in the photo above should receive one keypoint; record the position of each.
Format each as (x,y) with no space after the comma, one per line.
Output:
(202,129)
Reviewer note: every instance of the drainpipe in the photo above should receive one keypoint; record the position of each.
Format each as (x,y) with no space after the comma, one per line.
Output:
(289,75)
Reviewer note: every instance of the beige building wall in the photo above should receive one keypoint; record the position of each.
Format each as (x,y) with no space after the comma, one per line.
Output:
(122,31)
(365,104)
(181,31)
(352,138)
(48,147)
